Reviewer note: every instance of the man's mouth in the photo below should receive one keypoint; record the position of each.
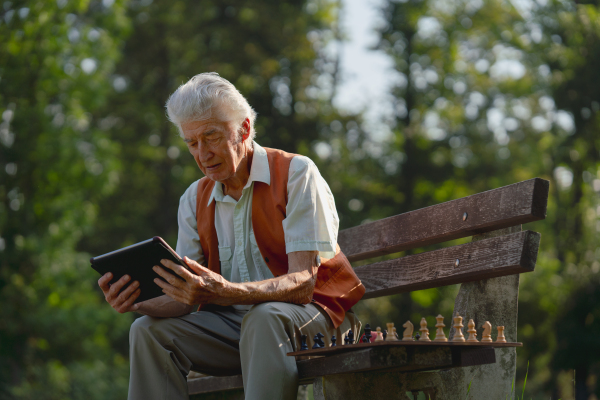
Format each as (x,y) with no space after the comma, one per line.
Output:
(213,167)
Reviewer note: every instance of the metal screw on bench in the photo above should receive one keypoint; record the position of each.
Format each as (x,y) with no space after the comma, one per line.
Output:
(465,216)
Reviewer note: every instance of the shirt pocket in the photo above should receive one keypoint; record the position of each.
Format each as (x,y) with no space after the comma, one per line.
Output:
(225,259)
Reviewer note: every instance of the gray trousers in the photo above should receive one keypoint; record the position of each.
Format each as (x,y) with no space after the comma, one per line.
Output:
(222,341)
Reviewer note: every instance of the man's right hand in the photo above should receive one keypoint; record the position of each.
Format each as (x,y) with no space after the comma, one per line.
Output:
(122,301)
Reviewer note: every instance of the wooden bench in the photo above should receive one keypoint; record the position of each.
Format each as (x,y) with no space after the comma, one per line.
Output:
(488,270)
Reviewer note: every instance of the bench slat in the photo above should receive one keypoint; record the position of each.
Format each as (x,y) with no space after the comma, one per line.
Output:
(488,258)
(400,358)
(495,209)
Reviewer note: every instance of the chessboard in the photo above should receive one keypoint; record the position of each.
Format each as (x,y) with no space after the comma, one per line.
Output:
(329,351)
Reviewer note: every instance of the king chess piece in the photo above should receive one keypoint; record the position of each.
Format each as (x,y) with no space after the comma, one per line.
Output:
(440,336)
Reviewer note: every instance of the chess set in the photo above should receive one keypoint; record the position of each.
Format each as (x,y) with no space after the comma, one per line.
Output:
(389,337)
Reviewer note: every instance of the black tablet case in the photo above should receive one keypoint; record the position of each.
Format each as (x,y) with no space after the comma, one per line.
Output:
(137,261)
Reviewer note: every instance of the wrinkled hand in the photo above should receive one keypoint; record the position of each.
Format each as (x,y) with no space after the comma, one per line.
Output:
(204,288)
(123,301)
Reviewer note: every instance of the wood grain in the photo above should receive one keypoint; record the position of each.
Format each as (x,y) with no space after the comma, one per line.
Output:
(208,384)
(489,258)
(495,209)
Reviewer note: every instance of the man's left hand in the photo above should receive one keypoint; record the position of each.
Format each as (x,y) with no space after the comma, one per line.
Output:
(203,288)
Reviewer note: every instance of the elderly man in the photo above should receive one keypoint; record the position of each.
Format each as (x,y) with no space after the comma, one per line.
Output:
(260,233)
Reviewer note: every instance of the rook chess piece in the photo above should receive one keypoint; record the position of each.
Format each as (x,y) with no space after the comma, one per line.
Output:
(333,340)
(424,331)
(368,333)
(389,337)
(303,345)
(408,332)
(440,336)
(472,332)
(378,334)
(500,338)
(351,336)
(487,332)
(458,325)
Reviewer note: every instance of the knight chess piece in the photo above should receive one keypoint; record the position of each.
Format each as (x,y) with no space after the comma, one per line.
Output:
(318,339)
(408,332)
(487,332)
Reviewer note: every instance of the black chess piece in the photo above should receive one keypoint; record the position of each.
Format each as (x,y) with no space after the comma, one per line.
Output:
(320,337)
(368,333)
(303,345)
(316,339)
(384,334)
(333,340)
(364,339)
(417,336)
(351,336)
(346,340)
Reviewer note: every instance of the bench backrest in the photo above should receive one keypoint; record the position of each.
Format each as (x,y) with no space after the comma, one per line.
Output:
(483,212)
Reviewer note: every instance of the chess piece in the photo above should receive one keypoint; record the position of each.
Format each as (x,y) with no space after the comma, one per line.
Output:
(333,340)
(472,332)
(487,332)
(384,334)
(417,337)
(346,340)
(303,345)
(378,335)
(350,337)
(390,337)
(424,331)
(395,334)
(458,325)
(500,338)
(368,333)
(408,332)
(318,339)
(440,336)
(364,339)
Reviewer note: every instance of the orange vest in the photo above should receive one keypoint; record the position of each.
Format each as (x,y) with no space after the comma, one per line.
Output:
(337,288)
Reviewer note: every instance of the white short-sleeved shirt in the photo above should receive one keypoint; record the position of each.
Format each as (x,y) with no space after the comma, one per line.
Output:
(311,222)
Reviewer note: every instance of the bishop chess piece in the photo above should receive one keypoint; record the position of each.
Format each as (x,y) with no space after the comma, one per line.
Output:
(458,325)
(472,332)
(408,332)
(333,340)
(500,338)
(368,333)
(303,345)
(318,339)
(424,337)
(440,336)
(487,332)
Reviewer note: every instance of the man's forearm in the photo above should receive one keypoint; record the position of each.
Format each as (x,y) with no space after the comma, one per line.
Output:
(164,307)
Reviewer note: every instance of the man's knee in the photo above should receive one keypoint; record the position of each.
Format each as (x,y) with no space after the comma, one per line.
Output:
(140,328)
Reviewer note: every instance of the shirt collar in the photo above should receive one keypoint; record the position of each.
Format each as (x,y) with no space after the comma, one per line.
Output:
(259,171)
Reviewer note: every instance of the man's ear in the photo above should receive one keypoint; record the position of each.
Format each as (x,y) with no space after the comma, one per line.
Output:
(246,128)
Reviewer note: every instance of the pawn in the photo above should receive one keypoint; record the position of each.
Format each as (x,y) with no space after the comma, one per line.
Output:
(368,333)
(395,334)
(364,339)
(472,332)
(500,338)
(346,340)
(390,337)
(440,336)
(303,345)
(350,337)
(333,340)
(487,332)
(378,335)
(408,332)
(424,331)
(417,337)
(458,325)
(384,334)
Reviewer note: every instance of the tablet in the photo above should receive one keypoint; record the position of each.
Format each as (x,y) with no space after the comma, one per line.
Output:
(137,261)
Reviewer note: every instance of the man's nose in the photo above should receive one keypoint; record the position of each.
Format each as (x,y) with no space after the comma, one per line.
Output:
(204,153)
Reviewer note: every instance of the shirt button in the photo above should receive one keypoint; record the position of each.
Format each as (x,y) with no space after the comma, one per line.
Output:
(239,242)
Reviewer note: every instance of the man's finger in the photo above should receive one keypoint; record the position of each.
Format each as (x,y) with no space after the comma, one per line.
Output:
(103,281)
(125,294)
(178,269)
(197,268)
(128,304)
(116,287)
(168,277)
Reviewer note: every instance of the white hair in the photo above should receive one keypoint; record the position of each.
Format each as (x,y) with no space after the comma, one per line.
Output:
(206,96)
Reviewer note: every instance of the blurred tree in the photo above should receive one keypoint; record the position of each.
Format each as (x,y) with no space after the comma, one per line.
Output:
(57,338)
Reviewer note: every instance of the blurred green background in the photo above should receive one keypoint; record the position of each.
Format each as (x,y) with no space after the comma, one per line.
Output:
(487,93)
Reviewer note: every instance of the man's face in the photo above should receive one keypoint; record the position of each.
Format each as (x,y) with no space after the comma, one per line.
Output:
(217,147)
